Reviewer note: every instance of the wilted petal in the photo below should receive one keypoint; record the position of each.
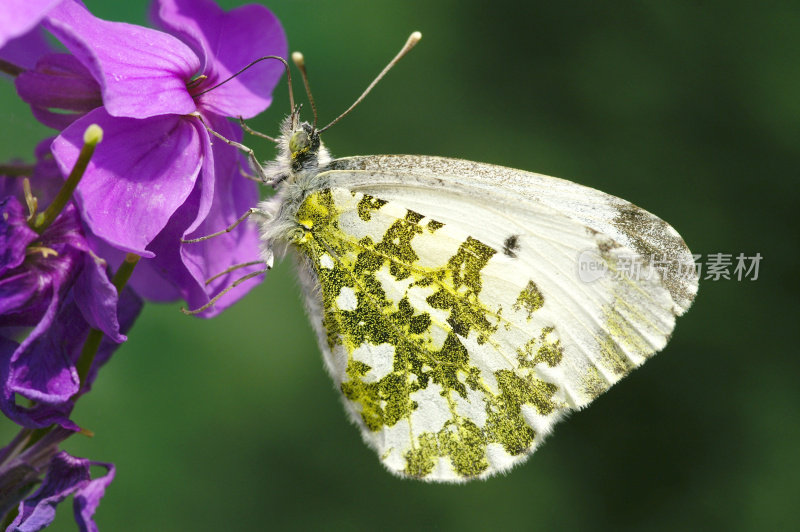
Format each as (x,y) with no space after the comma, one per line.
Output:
(65,475)
(228,42)
(142,72)
(18,17)
(88,498)
(138,177)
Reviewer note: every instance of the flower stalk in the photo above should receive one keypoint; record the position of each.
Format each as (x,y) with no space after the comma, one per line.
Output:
(91,138)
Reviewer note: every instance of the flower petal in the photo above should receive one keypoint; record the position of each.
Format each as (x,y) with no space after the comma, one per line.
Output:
(41,367)
(88,498)
(18,17)
(143,72)
(59,81)
(25,50)
(228,42)
(96,298)
(138,177)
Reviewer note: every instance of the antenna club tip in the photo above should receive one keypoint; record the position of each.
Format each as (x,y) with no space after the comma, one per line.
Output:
(298,59)
(414,38)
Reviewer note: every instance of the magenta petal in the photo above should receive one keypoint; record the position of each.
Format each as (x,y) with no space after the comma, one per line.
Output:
(228,42)
(138,177)
(143,72)
(18,17)
(167,261)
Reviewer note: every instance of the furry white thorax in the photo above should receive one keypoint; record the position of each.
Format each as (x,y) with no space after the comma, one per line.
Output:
(293,179)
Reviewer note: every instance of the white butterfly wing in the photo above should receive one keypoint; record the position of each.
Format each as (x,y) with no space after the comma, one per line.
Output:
(451,313)
(620,220)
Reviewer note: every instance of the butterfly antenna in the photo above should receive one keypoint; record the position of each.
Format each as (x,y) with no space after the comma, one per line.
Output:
(300,61)
(413,39)
(288,80)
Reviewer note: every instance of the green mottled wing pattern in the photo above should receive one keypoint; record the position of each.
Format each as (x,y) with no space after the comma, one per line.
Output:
(456,352)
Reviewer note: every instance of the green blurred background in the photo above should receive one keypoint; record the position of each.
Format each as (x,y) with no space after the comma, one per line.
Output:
(689,109)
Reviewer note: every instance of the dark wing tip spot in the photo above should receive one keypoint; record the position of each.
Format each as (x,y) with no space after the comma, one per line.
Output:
(511,246)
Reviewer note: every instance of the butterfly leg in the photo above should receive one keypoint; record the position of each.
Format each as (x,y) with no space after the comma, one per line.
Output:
(227,289)
(261,174)
(234,268)
(230,228)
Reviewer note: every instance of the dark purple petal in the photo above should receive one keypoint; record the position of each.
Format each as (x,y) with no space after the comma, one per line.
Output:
(97,298)
(41,368)
(228,42)
(138,177)
(51,262)
(18,17)
(25,50)
(65,475)
(59,81)
(15,235)
(142,72)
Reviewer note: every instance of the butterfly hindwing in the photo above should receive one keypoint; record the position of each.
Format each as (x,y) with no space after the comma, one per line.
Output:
(451,325)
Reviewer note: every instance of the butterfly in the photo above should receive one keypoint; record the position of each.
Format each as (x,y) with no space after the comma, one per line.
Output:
(463,308)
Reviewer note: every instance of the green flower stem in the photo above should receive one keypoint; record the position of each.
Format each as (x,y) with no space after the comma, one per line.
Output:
(91,138)
(10,68)
(92,343)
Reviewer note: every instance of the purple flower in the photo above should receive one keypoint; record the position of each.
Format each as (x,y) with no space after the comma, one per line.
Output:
(65,476)
(158,177)
(52,283)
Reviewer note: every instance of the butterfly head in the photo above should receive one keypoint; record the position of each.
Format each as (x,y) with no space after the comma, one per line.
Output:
(301,153)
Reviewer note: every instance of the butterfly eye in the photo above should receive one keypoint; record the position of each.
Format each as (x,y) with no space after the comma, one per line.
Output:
(299,142)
